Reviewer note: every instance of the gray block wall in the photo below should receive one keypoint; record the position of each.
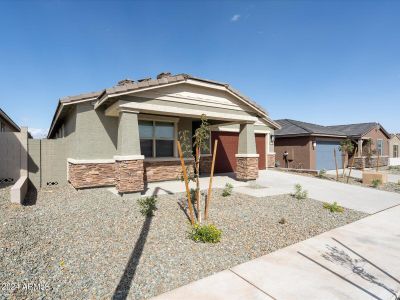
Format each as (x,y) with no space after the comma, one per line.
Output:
(11,147)
(47,162)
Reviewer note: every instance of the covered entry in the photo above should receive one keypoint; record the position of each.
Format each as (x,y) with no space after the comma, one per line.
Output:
(227,148)
(324,155)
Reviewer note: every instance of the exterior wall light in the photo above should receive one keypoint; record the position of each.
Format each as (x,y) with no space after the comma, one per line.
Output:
(272,138)
(314,145)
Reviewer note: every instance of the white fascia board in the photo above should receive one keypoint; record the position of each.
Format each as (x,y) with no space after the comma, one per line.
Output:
(186,112)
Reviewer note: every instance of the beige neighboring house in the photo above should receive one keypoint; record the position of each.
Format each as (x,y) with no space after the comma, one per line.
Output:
(125,136)
(394,150)
(7,124)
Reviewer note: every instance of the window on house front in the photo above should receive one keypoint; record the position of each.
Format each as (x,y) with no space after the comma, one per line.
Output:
(379,147)
(156,138)
(395,150)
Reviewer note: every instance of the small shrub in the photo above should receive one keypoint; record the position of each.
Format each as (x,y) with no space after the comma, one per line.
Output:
(299,193)
(227,190)
(334,207)
(205,233)
(376,182)
(282,221)
(398,182)
(322,173)
(147,206)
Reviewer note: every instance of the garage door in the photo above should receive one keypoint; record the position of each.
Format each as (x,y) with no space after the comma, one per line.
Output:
(228,143)
(325,159)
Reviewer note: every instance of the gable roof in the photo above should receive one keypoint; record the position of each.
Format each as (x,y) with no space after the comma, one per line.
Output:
(297,128)
(9,120)
(106,97)
(359,129)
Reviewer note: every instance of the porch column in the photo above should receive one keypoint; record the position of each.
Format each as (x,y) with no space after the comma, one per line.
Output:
(360,143)
(247,157)
(129,169)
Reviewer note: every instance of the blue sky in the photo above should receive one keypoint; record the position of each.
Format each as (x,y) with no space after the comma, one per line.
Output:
(326,62)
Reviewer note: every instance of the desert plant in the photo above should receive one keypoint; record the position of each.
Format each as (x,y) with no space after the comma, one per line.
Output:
(322,173)
(282,221)
(299,193)
(376,182)
(147,205)
(346,147)
(227,190)
(205,233)
(333,207)
(200,143)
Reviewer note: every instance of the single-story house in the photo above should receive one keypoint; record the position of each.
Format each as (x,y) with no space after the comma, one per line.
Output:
(311,146)
(394,146)
(7,124)
(126,135)
(370,139)
(308,146)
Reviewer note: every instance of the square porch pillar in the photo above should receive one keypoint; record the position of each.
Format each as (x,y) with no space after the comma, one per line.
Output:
(129,169)
(360,144)
(247,157)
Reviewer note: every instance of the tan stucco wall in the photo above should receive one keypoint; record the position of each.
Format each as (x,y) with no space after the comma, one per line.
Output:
(376,134)
(393,141)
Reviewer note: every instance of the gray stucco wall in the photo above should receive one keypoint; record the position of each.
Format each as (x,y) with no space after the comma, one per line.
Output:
(95,134)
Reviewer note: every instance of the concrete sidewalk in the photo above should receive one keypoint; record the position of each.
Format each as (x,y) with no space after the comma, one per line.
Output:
(358,174)
(357,261)
(351,196)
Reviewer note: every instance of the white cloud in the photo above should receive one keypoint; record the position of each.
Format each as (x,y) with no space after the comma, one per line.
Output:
(38,133)
(235,18)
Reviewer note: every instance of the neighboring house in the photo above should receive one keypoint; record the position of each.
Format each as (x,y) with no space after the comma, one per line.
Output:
(370,139)
(311,146)
(126,135)
(394,150)
(394,146)
(7,124)
(308,146)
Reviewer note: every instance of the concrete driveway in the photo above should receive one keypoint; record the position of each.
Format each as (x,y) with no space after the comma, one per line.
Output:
(356,261)
(395,178)
(355,197)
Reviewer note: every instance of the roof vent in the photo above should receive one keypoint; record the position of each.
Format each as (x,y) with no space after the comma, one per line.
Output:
(125,81)
(144,79)
(163,75)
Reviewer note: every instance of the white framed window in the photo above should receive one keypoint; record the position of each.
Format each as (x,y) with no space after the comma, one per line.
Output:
(379,147)
(395,151)
(157,138)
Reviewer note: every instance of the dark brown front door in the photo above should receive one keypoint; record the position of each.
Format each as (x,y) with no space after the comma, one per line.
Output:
(228,143)
(260,145)
(227,148)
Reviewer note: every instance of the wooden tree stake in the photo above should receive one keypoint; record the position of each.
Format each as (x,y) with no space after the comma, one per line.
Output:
(352,164)
(198,195)
(337,170)
(211,178)
(377,161)
(191,214)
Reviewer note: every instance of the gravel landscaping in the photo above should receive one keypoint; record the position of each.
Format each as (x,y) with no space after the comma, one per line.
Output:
(91,244)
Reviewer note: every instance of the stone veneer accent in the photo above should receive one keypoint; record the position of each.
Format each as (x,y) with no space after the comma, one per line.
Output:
(364,162)
(164,170)
(246,168)
(270,160)
(91,175)
(129,176)
(126,175)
